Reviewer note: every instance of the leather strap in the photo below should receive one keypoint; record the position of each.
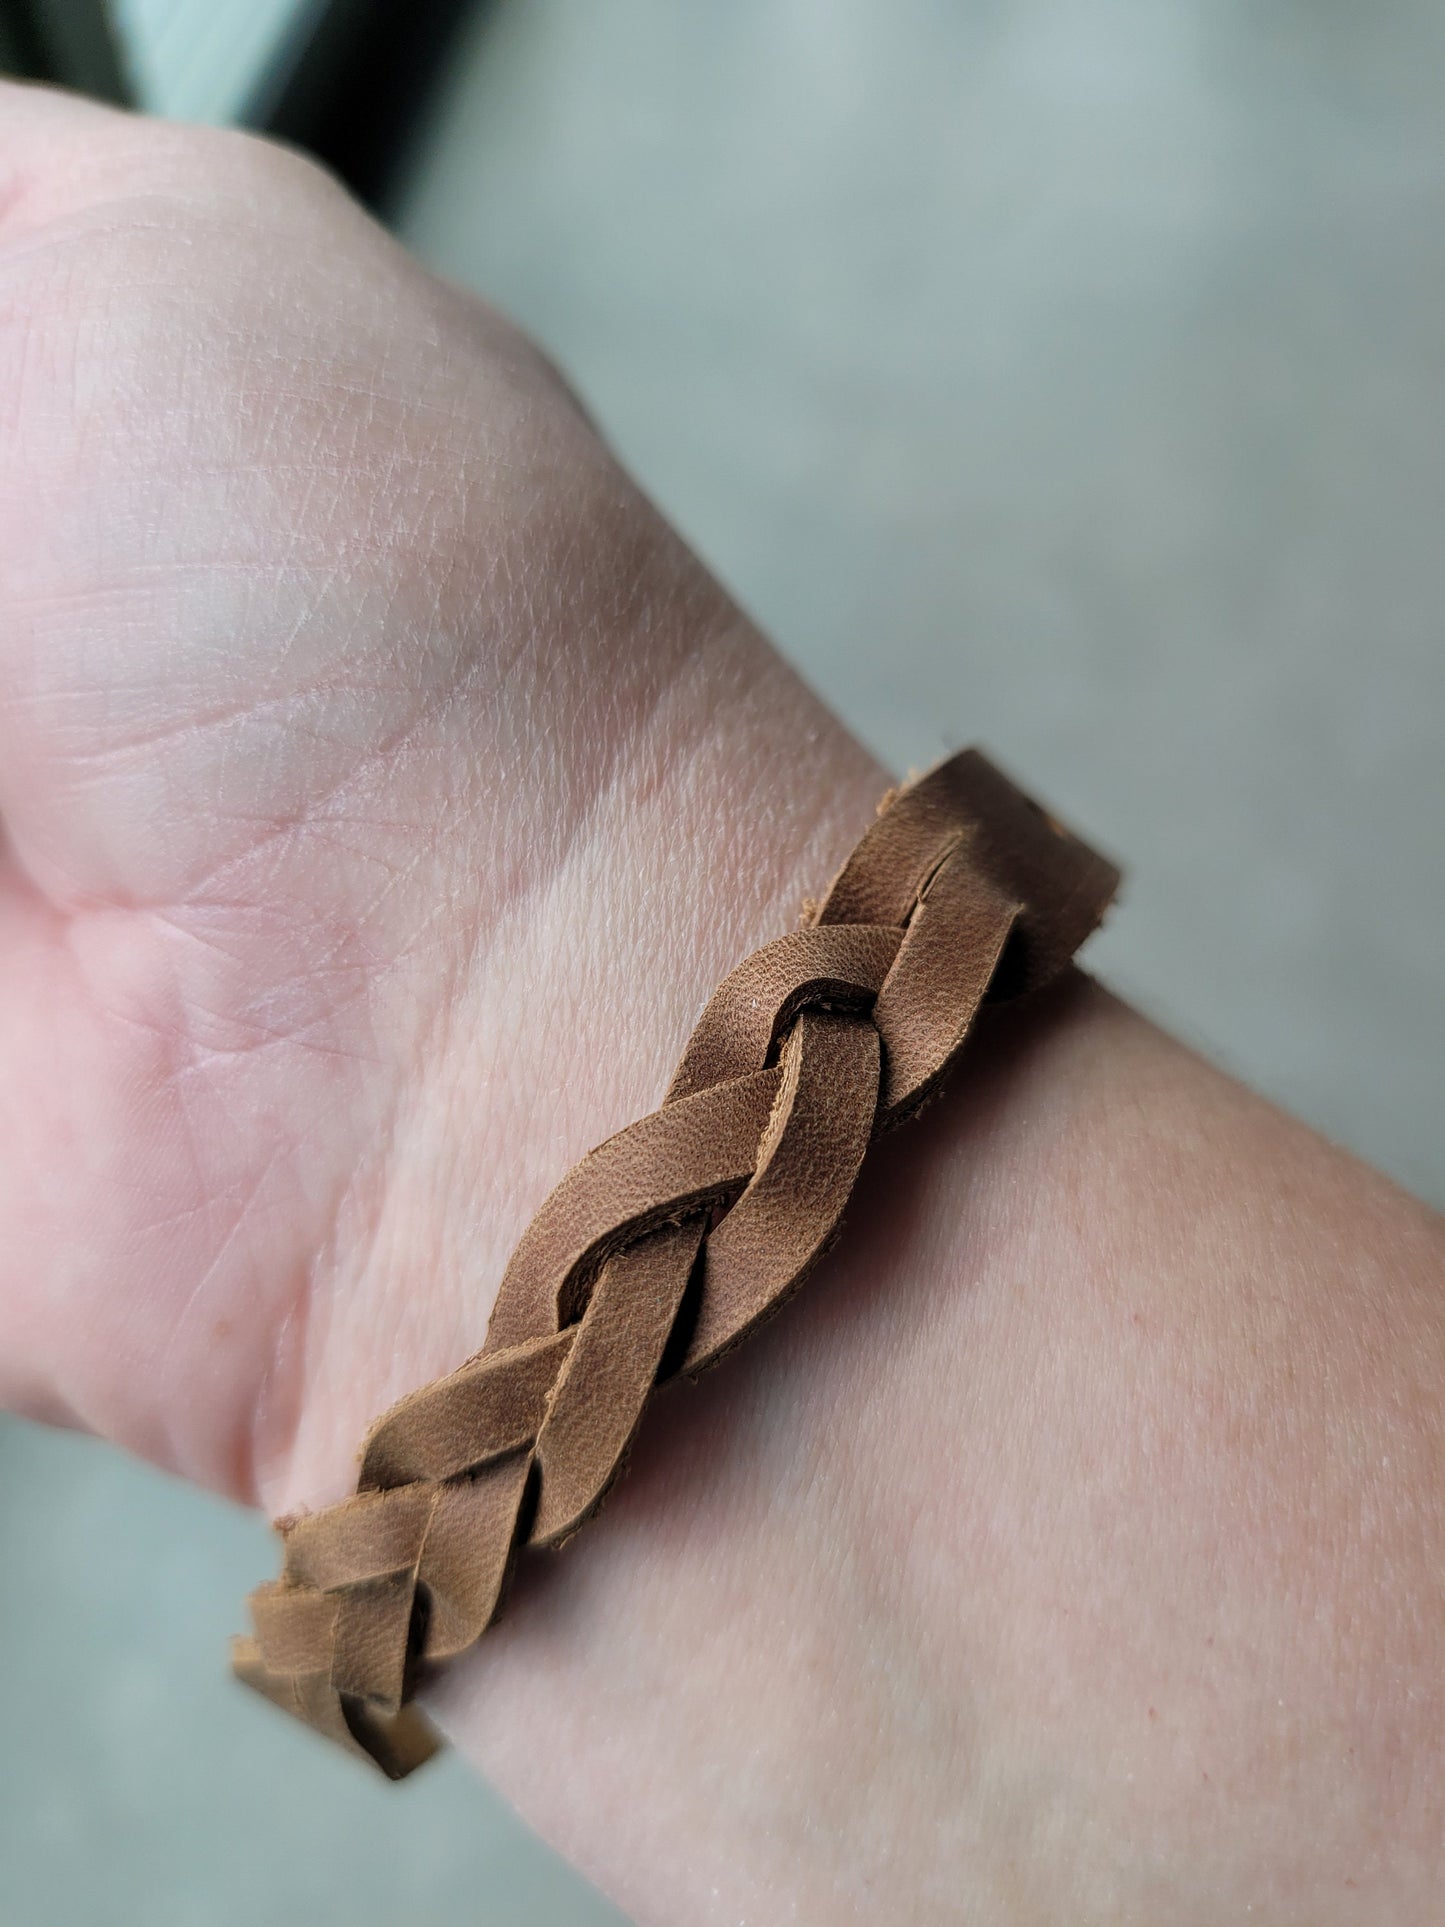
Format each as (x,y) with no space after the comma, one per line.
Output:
(667,1244)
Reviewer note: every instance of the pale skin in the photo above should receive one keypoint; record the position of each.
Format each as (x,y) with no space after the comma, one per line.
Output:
(383,789)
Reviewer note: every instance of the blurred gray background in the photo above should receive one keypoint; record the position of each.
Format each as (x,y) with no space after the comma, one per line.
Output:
(1063,374)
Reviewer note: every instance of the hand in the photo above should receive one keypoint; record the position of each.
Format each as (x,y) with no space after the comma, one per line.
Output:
(345,690)
(383,788)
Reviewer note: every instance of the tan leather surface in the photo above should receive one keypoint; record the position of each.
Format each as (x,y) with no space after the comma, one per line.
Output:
(669,1242)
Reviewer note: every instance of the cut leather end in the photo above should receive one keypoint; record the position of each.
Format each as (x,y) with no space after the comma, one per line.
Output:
(397,1742)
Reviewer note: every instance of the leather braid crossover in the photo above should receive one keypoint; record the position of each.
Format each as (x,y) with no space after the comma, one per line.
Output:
(668,1243)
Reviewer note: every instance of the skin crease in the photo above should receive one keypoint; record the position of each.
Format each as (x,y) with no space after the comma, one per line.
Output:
(383,790)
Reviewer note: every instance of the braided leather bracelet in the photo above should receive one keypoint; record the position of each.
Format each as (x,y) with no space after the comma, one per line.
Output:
(670,1242)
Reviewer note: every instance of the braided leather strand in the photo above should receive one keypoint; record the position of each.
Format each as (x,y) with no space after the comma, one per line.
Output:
(667,1244)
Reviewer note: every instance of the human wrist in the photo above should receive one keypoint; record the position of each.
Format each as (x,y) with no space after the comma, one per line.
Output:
(712,1703)
(731,796)
(1020,1570)
(866,1566)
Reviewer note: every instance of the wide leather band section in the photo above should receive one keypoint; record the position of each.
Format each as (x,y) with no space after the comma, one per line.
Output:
(666,1245)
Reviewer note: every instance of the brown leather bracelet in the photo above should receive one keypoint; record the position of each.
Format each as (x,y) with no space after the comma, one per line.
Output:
(667,1244)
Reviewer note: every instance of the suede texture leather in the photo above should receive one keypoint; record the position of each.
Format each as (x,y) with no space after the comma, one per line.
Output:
(667,1244)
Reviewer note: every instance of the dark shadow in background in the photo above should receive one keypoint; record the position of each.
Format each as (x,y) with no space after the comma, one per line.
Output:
(356,85)
(72,43)
(347,84)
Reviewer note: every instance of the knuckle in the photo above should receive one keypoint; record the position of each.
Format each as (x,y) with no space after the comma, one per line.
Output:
(231,161)
(68,164)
